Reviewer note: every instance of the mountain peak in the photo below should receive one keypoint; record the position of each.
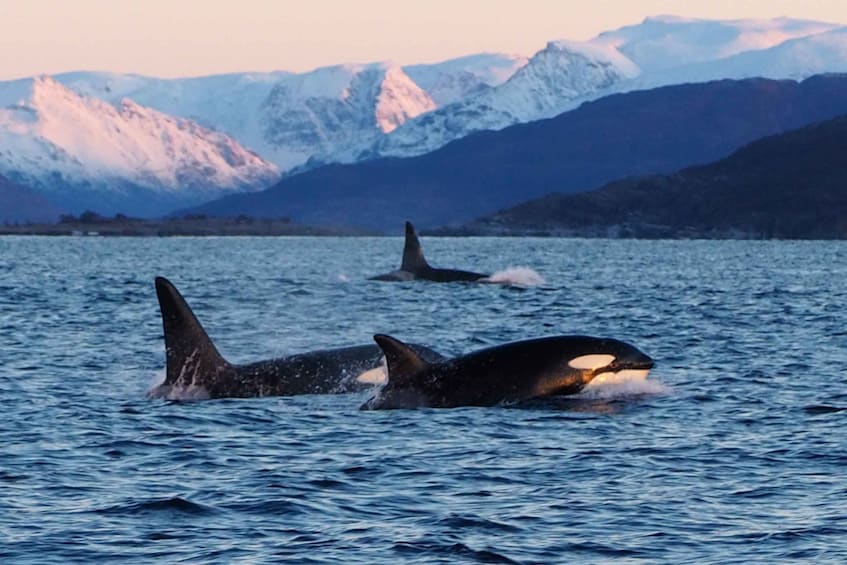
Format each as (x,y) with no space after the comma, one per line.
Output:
(46,85)
(399,100)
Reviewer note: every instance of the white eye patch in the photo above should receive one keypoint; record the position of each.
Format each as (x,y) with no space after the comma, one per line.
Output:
(375,376)
(591,361)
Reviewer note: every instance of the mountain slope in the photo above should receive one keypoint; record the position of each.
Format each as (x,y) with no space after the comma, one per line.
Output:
(547,85)
(792,185)
(331,113)
(85,153)
(20,204)
(653,131)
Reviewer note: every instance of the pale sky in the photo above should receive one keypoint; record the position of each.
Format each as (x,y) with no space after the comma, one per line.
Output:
(173,38)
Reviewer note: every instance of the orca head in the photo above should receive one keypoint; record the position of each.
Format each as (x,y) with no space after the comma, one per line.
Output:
(406,370)
(583,360)
(613,360)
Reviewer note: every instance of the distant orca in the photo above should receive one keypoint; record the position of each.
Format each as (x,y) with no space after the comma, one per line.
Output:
(196,370)
(414,266)
(511,372)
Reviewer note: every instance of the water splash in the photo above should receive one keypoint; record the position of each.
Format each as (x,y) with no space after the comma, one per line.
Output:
(158,389)
(623,386)
(519,276)
(157,379)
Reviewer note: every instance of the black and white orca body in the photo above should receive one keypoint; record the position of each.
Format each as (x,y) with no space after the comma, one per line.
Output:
(507,373)
(415,266)
(195,369)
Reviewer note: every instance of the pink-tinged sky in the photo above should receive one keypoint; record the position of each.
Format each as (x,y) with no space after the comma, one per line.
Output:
(171,38)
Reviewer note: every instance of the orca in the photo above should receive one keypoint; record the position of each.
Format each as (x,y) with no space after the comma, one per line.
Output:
(196,370)
(503,374)
(415,267)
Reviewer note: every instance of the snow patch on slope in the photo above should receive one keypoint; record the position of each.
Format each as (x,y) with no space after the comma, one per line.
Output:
(456,79)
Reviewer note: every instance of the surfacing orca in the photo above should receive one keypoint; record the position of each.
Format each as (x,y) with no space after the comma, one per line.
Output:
(196,370)
(507,373)
(414,265)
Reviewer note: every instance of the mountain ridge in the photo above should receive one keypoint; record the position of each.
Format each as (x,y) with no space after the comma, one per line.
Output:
(635,133)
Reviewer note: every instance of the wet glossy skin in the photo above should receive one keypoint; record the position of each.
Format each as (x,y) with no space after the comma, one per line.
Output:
(507,373)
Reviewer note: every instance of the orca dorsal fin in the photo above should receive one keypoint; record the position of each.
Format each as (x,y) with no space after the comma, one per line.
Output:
(191,356)
(413,257)
(403,361)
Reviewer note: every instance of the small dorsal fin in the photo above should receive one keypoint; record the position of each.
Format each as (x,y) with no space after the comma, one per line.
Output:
(191,356)
(403,361)
(413,257)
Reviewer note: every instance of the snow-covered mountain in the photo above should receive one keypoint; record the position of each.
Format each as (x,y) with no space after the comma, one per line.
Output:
(667,42)
(82,152)
(547,85)
(793,59)
(659,51)
(329,114)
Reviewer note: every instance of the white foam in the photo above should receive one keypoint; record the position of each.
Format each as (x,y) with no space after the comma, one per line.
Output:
(190,392)
(622,384)
(343,278)
(158,389)
(519,276)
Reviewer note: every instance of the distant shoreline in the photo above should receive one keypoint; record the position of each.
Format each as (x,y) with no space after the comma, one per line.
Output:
(280,227)
(177,227)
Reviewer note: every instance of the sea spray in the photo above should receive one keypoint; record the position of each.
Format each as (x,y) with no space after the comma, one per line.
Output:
(519,276)
(622,387)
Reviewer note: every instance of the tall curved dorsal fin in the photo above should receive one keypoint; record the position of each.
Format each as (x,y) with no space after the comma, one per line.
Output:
(413,257)
(403,361)
(189,351)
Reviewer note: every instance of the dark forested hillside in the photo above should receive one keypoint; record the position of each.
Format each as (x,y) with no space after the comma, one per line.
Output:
(20,204)
(792,185)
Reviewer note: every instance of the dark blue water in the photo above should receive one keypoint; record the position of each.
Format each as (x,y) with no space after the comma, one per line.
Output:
(739,454)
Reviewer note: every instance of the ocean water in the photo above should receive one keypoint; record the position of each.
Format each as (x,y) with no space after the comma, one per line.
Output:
(735,450)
